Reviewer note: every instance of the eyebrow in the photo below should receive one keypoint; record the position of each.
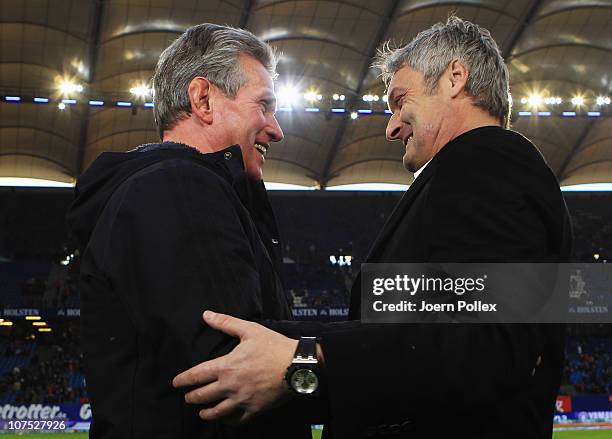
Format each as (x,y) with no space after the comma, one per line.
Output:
(392,96)
(269,100)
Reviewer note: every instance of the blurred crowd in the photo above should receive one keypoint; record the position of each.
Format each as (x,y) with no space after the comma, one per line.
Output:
(43,369)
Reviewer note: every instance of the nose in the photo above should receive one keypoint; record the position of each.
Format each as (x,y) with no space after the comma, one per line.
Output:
(274,130)
(394,126)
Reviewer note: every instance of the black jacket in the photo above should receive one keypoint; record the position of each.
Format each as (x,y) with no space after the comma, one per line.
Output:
(167,232)
(487,195)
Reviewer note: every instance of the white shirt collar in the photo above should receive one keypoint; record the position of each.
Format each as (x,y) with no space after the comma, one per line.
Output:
(418,171)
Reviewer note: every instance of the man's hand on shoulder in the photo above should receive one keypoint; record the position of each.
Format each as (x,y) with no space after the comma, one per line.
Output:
(248,380)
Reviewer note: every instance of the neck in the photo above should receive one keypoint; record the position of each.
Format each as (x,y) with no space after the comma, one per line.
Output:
(198,137)
(475,118)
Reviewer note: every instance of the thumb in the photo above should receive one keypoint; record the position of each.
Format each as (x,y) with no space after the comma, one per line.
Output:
(227,324)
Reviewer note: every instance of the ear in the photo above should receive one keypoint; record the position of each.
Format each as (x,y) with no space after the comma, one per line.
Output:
(199,92)
(458,74)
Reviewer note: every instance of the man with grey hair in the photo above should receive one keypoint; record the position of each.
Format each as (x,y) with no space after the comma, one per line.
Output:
(172,228)
(481,193)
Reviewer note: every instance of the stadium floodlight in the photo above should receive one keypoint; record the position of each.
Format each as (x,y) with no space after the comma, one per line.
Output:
(69,101)
(553,100)
(544,113)
(367,98)
(523,100)
(602,100)
(534,100)
(311,96)
(61,106)
(141,91)
(338,110)
(40,100)
(148,104)
(385,98)
(596,256)
(364,111)
(568,114)
(342,97)
(66,87)
(123,104)
(524,113)
(335,96)
(288,95)
(387,111)
(32,317)
(6,323)
(39,323)
(376,98)
(577,101)
(12,98)
(354,115)
(44,330)
(593,113)
(96,103)
(312,109)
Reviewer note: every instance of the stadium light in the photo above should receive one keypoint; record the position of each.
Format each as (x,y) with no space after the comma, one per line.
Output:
(39,323)
(385,98)
(44,329)
(32,318)
(354,115)
(603,100)
(534,100)
(61,106)
(288,95)
(66,87)
(577,101)
(553,100)
(40,100)
(141,91)
(341,97)
(6,323)
(312,96)
(335,96)
(596,256)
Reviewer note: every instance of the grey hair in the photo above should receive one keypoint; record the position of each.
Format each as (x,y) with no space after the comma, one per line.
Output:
(432,50)
(207,50)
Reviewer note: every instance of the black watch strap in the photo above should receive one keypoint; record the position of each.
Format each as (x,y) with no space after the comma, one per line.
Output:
(306,351)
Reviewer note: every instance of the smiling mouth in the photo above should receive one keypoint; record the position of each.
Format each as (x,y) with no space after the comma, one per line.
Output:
(261,148)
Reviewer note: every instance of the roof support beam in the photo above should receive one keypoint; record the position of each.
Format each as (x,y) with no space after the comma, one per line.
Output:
(92,56)
(246,14)
(382,31)
(520,30)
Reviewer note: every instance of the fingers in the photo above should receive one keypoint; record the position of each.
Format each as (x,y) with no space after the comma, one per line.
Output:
(225,408)
(208,394)
(227,324)
(200,374)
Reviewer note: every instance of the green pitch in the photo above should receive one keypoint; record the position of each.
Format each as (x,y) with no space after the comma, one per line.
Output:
(583,434)
(316,434)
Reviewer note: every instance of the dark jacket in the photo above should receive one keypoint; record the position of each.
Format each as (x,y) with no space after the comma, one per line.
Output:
(165,233)
(487,195)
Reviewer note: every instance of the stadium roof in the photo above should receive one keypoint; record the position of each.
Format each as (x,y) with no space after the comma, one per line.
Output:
(554,48)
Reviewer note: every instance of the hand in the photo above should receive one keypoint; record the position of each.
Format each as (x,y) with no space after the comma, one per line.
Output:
(246,381)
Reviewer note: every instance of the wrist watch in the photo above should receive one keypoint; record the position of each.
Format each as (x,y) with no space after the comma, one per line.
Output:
(302,375)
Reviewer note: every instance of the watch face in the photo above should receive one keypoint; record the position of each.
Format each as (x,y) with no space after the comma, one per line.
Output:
(304,381)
